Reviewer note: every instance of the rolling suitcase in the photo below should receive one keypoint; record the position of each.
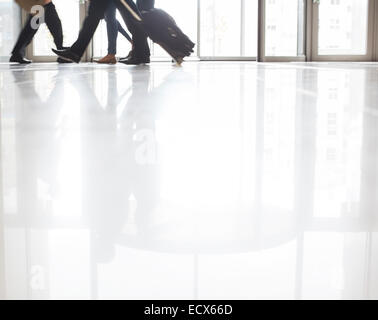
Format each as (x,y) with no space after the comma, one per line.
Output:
(163,30)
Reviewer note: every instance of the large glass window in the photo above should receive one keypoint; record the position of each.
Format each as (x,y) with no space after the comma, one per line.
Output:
(250,25)
(228,28)
(220,28)
(9,27)
(343,27)
(224,29)
(283,28)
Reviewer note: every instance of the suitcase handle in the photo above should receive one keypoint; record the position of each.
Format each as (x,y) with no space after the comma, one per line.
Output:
(133,13)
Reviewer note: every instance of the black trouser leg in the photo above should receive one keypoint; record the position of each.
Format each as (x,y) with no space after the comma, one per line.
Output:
(26,36)
(54,24)
(140,44)
(144,5)
(95,14)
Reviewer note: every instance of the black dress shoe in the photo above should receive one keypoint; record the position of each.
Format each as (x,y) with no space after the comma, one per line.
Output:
(134,61)
(127,57)
(19,59)
(67,54)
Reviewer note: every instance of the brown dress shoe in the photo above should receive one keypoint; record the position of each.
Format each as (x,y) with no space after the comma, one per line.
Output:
(109,59)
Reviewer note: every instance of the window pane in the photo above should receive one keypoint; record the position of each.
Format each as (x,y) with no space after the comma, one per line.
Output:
(10,22)
(343,27)
(220,27)
(69,12)
(281,28)
(250,28)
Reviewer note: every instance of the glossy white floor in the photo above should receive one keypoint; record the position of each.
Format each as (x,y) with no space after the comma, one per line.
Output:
(217,180)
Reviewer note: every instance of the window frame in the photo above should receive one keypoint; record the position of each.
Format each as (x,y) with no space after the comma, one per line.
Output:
(369,56)
(262,57)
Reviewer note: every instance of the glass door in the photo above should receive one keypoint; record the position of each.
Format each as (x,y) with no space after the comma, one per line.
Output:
(343,30)
(72,13)
(228,29)
(282,30)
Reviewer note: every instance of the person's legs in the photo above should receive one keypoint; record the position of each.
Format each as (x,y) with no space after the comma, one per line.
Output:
(28,32)
(122,31)
(112,28)
(26,36)
(96,12)
(54,24)
(141,50)
(144,51)
(144,5)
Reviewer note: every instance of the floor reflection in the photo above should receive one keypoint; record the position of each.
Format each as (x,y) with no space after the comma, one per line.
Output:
(218,180)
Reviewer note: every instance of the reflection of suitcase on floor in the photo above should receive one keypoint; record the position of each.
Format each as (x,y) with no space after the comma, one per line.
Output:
(163,30)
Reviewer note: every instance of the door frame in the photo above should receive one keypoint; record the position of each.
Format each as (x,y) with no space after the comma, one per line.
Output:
(375,35)
(314,16)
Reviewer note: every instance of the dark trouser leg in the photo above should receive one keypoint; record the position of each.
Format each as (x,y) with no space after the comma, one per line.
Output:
(123,32)
(141,49)
(96,12)
(112,27)
(26,36)
(54,24)
(140,44)
(144,5)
